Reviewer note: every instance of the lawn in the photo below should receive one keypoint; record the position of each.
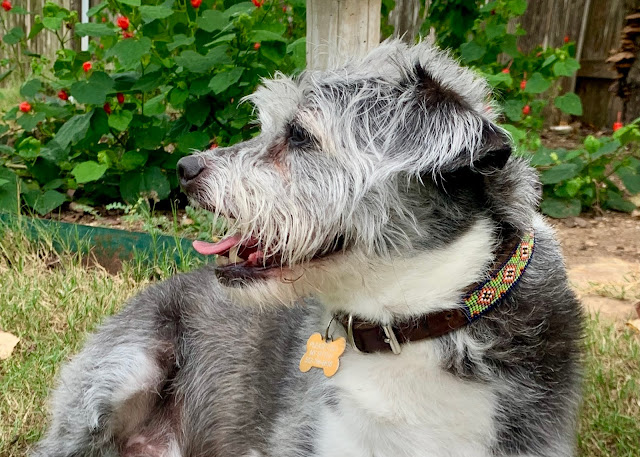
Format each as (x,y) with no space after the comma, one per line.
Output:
(51,301)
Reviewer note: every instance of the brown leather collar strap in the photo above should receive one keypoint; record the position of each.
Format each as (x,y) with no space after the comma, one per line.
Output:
(372,337)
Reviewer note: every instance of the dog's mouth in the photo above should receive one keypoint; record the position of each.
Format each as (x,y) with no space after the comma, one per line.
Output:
(241,260)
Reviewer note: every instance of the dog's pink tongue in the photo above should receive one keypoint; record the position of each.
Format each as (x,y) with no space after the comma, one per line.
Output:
(221,247)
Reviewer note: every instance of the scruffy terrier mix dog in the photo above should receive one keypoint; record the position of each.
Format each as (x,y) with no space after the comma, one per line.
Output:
(426,314)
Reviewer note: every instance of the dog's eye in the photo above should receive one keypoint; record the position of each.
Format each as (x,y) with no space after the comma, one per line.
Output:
(299,137)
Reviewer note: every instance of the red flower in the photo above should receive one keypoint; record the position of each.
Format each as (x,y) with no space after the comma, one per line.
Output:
(566,38)
(104,19)
(6,5)
(256,46)
(62,95)
(123,22)
(523,84)
(257,3)
(25,107)
(505,70)
(87,66)
(196,3)
(126,35)
(120,97)
(526,110)
(107,108)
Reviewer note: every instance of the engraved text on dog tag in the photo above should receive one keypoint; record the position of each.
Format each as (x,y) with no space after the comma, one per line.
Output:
(323,354)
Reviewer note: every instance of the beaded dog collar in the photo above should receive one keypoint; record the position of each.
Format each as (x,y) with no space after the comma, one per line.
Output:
(478,299)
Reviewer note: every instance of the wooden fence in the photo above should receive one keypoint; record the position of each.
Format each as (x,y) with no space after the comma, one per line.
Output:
(595,25)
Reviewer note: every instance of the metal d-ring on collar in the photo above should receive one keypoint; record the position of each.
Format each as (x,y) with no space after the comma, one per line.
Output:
(390,339)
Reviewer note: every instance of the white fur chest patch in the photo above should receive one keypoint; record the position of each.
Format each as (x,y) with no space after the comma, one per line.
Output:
(405,405)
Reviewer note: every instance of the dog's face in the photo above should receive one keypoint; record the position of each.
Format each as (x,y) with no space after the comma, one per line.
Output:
(349,162)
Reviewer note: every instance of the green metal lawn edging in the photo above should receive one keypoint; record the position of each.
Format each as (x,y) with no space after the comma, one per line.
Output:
(109,246)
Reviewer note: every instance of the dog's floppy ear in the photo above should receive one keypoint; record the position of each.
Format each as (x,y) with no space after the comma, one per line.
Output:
(494,151)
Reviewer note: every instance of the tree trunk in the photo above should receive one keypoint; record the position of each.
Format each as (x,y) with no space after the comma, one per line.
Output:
(340,29)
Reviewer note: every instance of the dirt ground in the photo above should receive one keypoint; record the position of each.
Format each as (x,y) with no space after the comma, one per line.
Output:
(603,260)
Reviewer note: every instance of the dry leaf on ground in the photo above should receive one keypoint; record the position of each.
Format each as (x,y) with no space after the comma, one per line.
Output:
(7,343)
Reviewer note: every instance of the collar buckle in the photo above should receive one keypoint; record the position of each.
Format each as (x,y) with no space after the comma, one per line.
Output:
(391,339)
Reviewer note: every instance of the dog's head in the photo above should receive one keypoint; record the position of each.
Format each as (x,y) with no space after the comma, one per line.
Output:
(390,155)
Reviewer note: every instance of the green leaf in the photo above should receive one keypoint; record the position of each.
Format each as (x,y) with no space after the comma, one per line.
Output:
(14,36)
(88,171)
(96,9)
(178,96)
(559,209)
(151,13)
(616,202)
(499,78)
(517,7)
(94,90)
(191,141)
(48,201)
(197,63)
(181,40)
(542,157)
(31,88)
(149,137)
(73,130)
(151,183)
(630,178)
(52,23)
(472,51)
(495,30)
(559,173)
(569,103)
(566,67)
(549,60)
(266,35)
(35,29)
(120,120)
(225,79)
(239,8)
(132,160)
(130,2)
(155,106)
(537,84)
(298,49)
(94,29)
(513,109)
(8,191)
(149,81)
(509,45)
(29,121)
(29,148)
(198,111)
(606,148)
(130,51)
(212,20)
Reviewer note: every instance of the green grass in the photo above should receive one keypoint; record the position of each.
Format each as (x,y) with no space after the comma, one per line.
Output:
(51,301)
(9,97)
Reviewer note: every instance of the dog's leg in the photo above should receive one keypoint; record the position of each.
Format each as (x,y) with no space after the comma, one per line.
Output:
(115,397)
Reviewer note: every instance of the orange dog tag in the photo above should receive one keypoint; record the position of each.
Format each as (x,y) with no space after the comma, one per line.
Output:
(323,354)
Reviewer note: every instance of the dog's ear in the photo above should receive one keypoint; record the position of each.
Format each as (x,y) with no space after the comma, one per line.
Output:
(494,151)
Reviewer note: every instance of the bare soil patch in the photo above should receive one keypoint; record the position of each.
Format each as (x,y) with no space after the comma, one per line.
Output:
(602,253)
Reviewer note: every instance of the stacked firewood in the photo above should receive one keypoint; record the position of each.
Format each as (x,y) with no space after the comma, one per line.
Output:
(624,58)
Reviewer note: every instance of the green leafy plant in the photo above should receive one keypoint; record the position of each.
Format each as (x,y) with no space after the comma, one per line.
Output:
(599,175)
(158,81)
(485,36)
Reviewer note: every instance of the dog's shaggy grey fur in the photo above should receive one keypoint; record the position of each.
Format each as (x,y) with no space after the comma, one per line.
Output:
(366,183)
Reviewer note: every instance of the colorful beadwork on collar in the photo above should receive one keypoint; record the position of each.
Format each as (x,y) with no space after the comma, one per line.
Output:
(485,296)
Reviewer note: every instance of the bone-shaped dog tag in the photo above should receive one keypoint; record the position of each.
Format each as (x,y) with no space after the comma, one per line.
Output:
(323,354)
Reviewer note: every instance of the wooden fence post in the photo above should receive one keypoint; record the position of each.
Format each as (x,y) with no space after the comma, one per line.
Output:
(340,29)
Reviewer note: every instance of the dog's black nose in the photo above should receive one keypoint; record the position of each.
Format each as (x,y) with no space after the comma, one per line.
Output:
(189,168)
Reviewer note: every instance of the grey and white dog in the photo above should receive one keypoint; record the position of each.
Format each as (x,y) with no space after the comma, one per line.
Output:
(381,189)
